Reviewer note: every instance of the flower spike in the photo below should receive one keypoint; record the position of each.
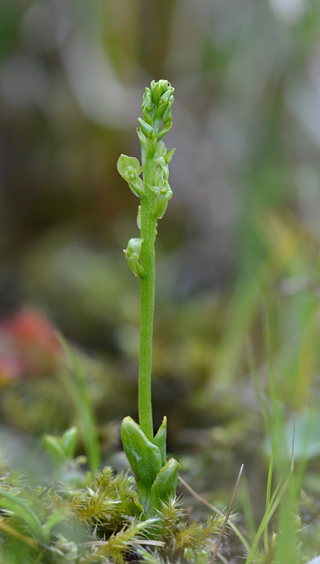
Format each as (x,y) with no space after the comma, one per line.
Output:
(155,477)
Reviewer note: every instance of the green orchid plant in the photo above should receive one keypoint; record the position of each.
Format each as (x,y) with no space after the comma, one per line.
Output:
(156,478)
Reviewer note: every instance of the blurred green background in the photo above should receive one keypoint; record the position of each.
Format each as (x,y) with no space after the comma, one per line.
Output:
(237,251)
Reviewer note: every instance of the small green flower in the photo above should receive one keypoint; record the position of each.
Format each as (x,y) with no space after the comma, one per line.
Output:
(130,170)
(132,253)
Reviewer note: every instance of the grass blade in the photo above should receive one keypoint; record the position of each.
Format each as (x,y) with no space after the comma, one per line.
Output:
(78,390)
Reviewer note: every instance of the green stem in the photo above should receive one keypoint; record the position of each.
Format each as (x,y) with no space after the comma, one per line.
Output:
(147,292)
(154,192)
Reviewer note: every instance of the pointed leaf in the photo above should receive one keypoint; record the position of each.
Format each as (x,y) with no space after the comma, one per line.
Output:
(22,510)
(55,452)
(55,518)
(169,155)
(144,457)
(160,440)
(164,486)
(68,441)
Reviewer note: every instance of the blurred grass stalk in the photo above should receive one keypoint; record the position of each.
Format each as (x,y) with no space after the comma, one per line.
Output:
(283,543)
(76,384)
(285,278)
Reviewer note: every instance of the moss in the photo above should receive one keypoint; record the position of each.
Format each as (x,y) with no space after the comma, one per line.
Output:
(101,522)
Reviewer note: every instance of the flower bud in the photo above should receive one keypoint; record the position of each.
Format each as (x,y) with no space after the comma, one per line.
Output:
(142,137)
(155,91)
(146,128)
(147,118)
(147,101)
(169,155)
(167,115)
(165,194)
(160,111)
(167,126)
(161,206)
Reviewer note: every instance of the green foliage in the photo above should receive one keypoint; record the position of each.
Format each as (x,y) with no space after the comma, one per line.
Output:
(156,479)
(98,522)
(21,509)
(107,500)
(61,450)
